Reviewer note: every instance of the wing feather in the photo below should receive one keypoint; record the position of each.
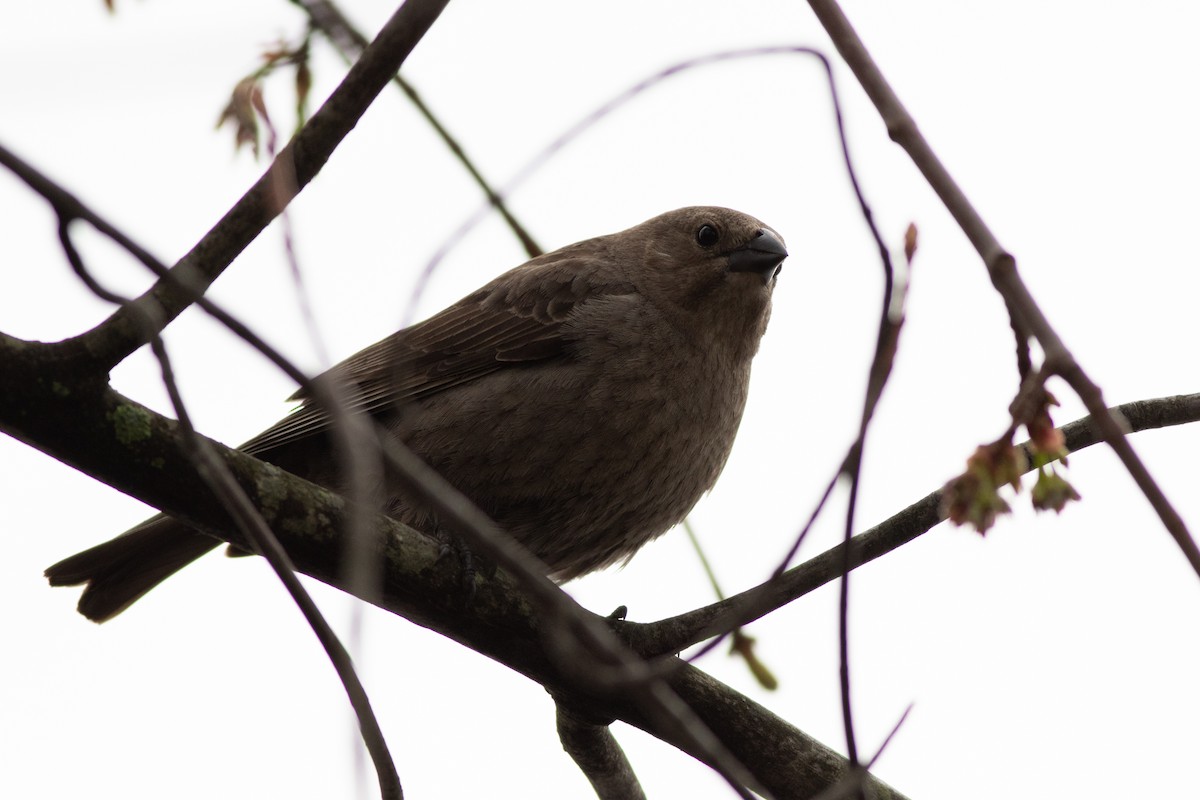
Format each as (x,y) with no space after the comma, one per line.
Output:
(515,320)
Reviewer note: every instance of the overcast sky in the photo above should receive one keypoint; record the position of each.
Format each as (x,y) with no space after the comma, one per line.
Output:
(1055,658)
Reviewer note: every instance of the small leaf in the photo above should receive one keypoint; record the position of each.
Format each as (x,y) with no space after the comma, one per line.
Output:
(973,498)
(910,242)
(1052,492)
(245,104)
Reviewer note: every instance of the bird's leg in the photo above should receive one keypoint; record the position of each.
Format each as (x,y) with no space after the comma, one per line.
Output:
(448,543)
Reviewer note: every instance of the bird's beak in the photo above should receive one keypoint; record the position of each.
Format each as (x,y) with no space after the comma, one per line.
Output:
(763,254)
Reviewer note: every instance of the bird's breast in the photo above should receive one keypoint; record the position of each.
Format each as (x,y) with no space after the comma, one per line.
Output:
(586,458)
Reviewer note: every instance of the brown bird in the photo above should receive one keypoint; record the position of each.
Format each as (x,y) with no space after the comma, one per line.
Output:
(585,400)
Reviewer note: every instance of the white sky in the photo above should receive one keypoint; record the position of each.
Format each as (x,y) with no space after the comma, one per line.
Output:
(1057,657)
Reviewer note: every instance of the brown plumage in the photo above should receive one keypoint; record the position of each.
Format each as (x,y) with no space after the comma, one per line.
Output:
(585,400)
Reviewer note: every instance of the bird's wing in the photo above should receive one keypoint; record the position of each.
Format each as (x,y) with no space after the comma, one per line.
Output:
(515,320)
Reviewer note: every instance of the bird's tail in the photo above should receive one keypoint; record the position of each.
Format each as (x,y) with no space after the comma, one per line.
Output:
(121,570)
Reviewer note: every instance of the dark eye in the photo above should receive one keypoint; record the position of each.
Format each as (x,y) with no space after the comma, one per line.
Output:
(707,236)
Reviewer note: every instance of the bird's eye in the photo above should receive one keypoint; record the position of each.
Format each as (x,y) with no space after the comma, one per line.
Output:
(707,236)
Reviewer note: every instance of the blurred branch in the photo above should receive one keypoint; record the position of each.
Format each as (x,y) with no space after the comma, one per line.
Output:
(349,42)
(1025,315)
(675,633)
(220,481)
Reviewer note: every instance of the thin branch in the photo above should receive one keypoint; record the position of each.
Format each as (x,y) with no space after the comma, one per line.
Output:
(1026,316)
(887,740)
(675,633)
(349,42)
(887,339)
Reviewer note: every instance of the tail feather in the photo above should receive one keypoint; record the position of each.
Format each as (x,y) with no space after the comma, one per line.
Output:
(121,570)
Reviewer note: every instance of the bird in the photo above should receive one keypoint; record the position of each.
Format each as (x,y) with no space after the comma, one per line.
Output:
(585,400)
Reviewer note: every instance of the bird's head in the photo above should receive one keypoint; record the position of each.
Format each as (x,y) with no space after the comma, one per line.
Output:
(710,268)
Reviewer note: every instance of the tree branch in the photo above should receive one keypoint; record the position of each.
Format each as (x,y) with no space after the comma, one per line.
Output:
(675,633)
(295,166)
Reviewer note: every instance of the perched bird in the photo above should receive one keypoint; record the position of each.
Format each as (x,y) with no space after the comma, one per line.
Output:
(585,400)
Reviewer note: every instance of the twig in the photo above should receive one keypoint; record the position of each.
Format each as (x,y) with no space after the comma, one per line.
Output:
(857,776)
(1025,315)
(891,735)
(881,368)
